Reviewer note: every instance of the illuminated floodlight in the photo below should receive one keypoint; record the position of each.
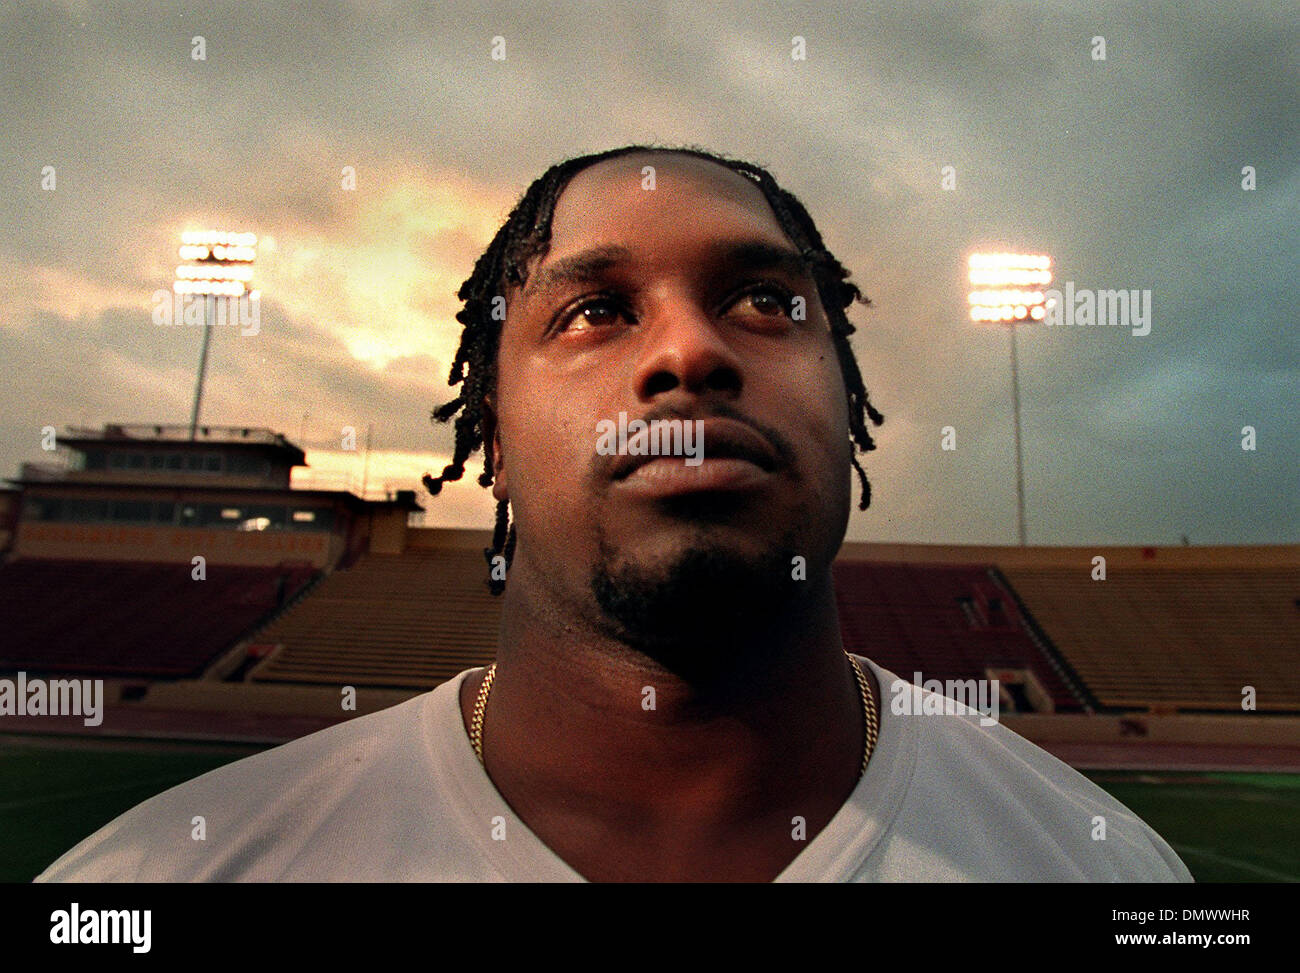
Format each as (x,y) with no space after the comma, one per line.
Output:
(211,237)
(1001,276)
(1007,288)
(1006,297)
(221,251)
(214,272)
(218,265)
(1023,261)
(213,288)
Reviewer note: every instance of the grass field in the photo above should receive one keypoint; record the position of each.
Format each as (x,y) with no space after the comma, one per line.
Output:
(54,793)
(1226,827)
(1237,827)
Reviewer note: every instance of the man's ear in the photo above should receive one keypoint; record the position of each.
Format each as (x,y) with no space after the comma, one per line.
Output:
(492,446)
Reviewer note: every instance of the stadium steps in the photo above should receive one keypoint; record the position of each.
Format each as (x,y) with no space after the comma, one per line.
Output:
(1185,638)
(390,620)
(1077,687)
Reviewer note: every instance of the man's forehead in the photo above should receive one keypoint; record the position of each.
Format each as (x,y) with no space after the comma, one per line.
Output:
(606,195)
(612,202)
(671,170)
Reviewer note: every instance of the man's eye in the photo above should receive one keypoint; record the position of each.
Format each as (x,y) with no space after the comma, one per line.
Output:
(594,313)
(769,300)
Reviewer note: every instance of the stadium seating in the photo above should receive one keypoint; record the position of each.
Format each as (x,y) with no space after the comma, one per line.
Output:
(417,619)
(944,621)
(408,620)
(1185,638)
(128,618)
(1189,637)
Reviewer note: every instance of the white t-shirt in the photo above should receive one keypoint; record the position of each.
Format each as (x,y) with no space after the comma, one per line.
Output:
(399,795)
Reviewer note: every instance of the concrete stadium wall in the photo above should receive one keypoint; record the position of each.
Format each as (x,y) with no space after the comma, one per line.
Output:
(219,697)
(1147,558)
(1248,729)
(95,542)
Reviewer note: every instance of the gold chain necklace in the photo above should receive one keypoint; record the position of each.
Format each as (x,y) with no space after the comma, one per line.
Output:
(868,712)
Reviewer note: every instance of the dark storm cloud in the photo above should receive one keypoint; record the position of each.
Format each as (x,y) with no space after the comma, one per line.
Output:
(1128,171)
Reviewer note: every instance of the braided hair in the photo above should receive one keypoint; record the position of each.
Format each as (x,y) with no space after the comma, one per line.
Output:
(526,234)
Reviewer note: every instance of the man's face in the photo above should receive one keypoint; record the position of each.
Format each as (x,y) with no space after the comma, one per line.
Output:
(678,322)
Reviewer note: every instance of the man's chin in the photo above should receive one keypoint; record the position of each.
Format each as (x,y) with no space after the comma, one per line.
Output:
(693,607)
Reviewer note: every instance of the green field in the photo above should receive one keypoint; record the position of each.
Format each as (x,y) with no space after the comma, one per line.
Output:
(1226,827)
(53,793)
(1238,827)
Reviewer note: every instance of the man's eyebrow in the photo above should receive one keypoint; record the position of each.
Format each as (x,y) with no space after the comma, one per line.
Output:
(590,266)
(761,255)
(581,268)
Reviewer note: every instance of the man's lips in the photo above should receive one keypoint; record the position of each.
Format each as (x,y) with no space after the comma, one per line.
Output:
(668,476)
(732,456)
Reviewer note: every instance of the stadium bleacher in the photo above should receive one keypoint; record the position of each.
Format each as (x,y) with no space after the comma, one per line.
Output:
(132,618)
(1188,638)
(1185,635)
(395,620)
(946,621)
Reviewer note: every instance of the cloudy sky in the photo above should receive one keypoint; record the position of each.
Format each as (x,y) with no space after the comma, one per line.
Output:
(1127,170)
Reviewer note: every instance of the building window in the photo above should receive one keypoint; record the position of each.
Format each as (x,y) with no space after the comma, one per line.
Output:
(85,511)
(312,518)
(43,508)
(247,465)
(218,515)
(275,516)
(131,511)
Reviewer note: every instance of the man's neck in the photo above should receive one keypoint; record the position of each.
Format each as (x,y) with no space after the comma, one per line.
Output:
(597,746)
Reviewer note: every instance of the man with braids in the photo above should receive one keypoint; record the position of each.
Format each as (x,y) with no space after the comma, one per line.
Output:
(671,699)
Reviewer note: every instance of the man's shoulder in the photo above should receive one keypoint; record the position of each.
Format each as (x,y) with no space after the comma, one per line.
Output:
(247,815)
(1018,808)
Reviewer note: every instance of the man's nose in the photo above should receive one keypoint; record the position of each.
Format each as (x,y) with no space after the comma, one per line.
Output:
(683,348)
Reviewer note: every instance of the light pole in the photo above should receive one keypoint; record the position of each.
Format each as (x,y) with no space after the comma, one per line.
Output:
(1009,290)
(203,364)
(220,267)
(1015,408)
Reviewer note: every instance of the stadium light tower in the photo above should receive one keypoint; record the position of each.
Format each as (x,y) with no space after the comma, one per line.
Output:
(1008,289)
(219,267)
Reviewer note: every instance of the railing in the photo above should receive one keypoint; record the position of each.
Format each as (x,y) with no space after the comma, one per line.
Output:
(307,479)
(1043,642)
(179,433)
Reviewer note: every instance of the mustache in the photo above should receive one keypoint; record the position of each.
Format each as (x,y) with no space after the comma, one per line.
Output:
(603,466)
